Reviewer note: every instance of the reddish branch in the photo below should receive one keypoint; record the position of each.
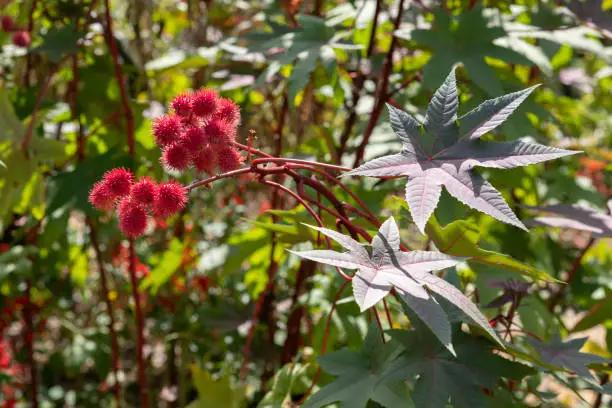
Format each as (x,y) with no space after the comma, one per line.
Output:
(571,274)
(142,379)
(41,96)
(127,110)
(28,317)
(381,90)
(359,82)
(109,309)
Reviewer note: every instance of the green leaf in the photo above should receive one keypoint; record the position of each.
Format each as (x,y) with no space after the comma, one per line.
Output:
(280,394)
(468,39)
(460,238)
(442,377)
(59,42)
(600,313)
(360,376)
(219,393)
(169,263)
(300,75)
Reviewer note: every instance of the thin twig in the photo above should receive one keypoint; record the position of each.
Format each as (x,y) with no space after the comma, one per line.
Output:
(381,91)
(142,378)
(109,309)
(127,110)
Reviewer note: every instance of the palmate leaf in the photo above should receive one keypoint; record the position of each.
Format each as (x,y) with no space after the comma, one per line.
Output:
(444,151)
(567,355)
(467,38)
(387,267)
(442,376)
(359,376)
(576,217)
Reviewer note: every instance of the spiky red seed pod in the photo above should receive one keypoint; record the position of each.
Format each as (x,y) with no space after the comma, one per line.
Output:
(7,22)
(167,129)
(228,111)
(193,138)
(218,131)
(119,181)
(175,156)
(22,39)
(228,158)
(143,191)
(101,197)
(132,217)
(181,104)
(169,198)
(204,161)
(205,103)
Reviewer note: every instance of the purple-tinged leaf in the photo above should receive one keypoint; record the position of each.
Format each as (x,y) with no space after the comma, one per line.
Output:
(567,355)
(575,217)
(386,242)
(366,292)
(345,241)
(422,196)
(500,155)
(491,113)
(401,164)
(407,129)
(346,260)
(474,191)
(388,267)
(445,154)
(441,116)
(452,294)
(432,314)
(371,285)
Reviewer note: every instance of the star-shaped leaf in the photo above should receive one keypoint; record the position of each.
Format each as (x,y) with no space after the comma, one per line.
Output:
(442,376)
(576,217)
(58,42)
(444,150)
(359,374)
(387,267)
(567,355)
(467,38)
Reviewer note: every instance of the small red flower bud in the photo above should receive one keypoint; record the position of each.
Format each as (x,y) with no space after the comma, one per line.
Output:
(204,103)
(22,39)
(193,138)
(204,161)
(7,22)
(175,156)
(143,192)
(181,104)
(132,217)
(119,181)
(167,129)
(219,131)
(101,197)
(229,158)
(228,111)
(169,199)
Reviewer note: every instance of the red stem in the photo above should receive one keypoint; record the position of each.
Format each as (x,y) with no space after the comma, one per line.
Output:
(28,317)
(112,44)
(571,274)
(109,309)
(142,378)
(381,91)
(324,343)
(41,96)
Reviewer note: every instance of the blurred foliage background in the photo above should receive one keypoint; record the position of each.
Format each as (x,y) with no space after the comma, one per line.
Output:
(311,78)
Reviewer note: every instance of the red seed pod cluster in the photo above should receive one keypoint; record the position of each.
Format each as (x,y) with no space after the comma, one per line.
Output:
(20,37)
(135,201)
(199,132)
